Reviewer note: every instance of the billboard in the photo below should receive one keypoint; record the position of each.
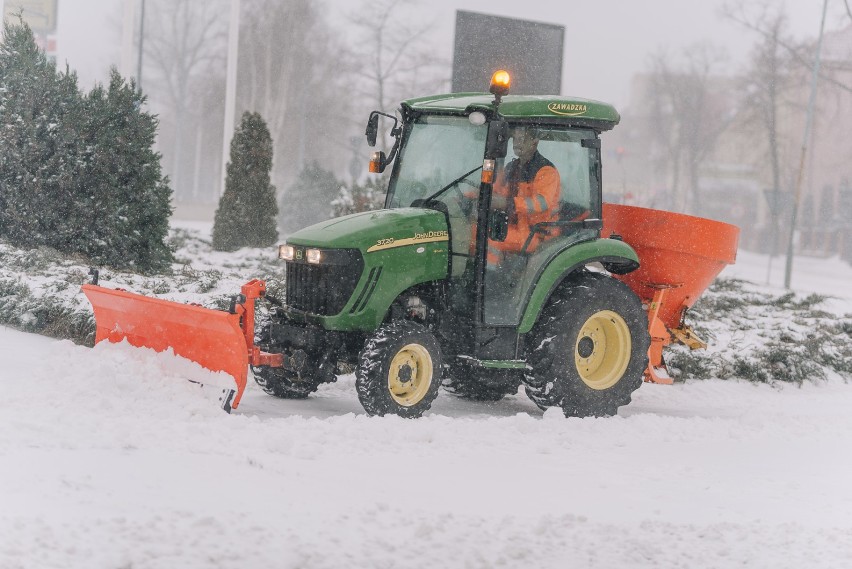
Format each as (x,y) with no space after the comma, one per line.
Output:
(530,51)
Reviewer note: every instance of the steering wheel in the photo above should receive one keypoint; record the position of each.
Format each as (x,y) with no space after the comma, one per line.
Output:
(467,203)
(470,183)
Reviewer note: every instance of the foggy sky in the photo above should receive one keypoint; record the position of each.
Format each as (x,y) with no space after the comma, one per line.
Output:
(606,41)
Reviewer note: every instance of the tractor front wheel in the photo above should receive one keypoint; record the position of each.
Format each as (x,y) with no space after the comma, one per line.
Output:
(589,348)
(399,370)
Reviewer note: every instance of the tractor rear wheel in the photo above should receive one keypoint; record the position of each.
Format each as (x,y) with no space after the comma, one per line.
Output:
(589,348)
(478,384)
(399,370)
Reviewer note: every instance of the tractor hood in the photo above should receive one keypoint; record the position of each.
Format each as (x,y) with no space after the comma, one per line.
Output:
(378,230)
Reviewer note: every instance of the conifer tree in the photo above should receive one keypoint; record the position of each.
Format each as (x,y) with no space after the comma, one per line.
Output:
(78,174)
(126,200)
(247,210)
(309,199)
(38,143)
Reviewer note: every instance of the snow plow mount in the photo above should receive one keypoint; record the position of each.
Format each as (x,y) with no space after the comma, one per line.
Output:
(217,340)
(249,293)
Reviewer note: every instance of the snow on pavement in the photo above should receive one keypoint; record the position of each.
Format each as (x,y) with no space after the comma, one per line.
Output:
(108,459)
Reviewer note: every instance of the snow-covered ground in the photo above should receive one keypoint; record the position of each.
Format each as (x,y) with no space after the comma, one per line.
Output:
(109,459)
(830,277)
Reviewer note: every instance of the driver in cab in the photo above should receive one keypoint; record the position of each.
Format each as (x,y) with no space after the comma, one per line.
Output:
(528,191)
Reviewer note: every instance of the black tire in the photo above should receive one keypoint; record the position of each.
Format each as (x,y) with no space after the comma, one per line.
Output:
(479,384)
(589,348)
(289,385)
(409,389)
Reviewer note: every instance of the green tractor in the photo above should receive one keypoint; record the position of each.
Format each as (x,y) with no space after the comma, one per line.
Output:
(494,265)
(408,294)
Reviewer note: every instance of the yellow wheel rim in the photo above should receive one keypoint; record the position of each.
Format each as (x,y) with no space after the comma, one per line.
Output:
(602,350)
(410,375)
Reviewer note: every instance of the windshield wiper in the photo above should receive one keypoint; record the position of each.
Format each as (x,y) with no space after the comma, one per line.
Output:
(451,184)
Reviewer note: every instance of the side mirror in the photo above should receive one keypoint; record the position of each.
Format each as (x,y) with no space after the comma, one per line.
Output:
(372,129)
(498,225)
(497,142)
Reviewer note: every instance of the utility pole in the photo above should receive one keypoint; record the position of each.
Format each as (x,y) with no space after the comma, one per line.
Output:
(788,268)
(230,87)
(141,47)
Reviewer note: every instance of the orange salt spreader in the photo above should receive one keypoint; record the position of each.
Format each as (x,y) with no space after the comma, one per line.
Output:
(679,257)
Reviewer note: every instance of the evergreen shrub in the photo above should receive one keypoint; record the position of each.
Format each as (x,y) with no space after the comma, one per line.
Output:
(78,173)
(309,198)
(247,211)
(356,198)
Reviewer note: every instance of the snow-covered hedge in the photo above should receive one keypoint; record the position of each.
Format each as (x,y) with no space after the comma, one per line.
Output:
(40,288)
(753,334)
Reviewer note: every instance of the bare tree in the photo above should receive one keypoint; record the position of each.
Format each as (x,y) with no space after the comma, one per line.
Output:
(184,43)
(757,16)
(690,115)
(394,55)
(394,49)
(292,70)
(772,74)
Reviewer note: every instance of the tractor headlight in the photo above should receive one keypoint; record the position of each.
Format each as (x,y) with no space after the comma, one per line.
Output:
(314,256)
(286,252)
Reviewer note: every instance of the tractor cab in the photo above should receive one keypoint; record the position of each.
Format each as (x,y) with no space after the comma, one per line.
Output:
(446,153)
(507,217)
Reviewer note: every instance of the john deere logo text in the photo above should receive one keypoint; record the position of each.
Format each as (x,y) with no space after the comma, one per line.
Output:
(430,235)
(568,109)
(426,237)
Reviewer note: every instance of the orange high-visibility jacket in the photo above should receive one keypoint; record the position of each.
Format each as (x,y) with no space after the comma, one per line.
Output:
(534,191)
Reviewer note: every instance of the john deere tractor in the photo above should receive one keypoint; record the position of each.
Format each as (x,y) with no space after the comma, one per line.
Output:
(406,295)
(413,298)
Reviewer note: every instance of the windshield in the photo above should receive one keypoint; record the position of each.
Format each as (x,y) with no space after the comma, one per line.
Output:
(438,150)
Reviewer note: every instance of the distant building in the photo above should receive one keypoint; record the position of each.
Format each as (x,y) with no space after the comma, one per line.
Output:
(734,178)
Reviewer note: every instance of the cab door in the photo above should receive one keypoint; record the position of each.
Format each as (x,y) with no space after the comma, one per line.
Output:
(514,264)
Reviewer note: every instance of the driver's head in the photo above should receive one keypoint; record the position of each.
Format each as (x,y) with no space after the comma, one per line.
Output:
(524,142)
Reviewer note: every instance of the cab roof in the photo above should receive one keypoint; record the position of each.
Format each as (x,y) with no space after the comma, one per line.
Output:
(537,108)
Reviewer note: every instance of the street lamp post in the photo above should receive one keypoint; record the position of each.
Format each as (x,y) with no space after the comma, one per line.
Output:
(788,268)
(230,87)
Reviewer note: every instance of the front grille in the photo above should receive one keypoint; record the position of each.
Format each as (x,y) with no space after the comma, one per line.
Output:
(322,289)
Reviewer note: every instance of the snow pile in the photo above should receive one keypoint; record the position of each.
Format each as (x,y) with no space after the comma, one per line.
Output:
(110,459)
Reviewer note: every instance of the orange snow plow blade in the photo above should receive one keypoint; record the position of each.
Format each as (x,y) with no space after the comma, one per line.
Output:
(679,257)
(212,338)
